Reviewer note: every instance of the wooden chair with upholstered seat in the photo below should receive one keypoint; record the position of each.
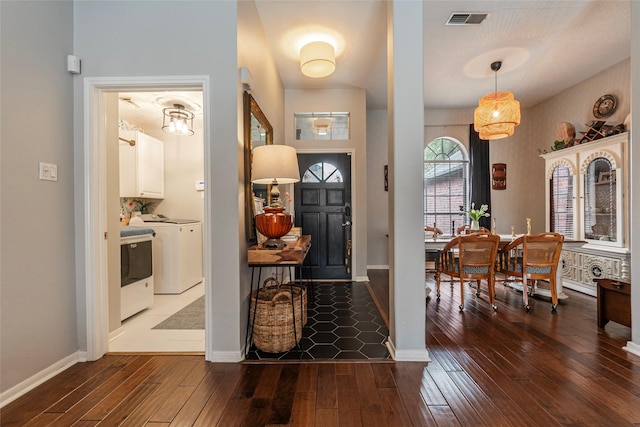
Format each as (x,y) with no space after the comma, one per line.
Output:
(532,258)
(430,256)
(468,258)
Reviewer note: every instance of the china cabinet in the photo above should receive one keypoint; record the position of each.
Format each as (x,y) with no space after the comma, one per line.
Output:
(141,165)
(587,201)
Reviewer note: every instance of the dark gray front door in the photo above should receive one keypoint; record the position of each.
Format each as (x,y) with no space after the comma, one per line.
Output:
(323,210)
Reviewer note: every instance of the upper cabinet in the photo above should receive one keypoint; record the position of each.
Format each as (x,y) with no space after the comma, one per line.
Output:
(141,165)
(587,187)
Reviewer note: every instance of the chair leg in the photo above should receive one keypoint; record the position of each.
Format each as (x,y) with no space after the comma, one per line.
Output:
(437,286)
(461,306)
(491,284)
(554,293)
(525,293)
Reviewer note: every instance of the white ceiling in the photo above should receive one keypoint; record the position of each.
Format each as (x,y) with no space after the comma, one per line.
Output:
(545,46)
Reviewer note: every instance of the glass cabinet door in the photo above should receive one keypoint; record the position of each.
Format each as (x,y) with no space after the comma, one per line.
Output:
(562,201)
(600,201)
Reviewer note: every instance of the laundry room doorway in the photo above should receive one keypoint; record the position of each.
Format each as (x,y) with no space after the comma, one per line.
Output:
(103,215)
(160,166)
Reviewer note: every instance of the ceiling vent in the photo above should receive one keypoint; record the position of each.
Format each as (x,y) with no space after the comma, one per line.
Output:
(467,18)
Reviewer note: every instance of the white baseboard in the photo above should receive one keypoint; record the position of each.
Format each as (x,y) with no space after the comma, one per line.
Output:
(377,267)
(34,381)
(117,333)
(226,356)
(391,348)
(362,278)
(632,347)
(418,355)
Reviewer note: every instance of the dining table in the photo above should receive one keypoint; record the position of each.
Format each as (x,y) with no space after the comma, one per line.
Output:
(434,244)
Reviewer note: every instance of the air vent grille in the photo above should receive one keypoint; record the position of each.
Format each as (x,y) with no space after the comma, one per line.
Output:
(467,18)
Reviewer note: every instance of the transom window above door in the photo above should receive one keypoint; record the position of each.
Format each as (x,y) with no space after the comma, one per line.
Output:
(322,126)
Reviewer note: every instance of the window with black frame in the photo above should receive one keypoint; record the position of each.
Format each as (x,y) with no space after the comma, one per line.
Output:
(446,184)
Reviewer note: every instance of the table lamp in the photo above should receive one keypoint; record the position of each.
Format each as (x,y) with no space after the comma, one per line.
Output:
(274,164)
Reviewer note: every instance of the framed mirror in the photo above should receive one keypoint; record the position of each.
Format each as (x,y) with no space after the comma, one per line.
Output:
(257,131)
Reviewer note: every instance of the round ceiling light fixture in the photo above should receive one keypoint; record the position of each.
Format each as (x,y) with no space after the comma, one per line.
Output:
(317,59)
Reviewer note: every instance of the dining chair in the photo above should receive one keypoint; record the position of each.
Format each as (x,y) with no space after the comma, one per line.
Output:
(532,258)
(430,256)
(467,258)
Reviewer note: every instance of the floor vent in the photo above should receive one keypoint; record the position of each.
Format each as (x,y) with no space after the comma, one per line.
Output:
(467,18)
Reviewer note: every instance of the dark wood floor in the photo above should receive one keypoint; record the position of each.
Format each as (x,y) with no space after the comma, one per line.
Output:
(507,368)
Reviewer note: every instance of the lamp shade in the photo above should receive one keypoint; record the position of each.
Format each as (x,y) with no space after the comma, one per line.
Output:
(274,162)
(317,59)
(496,116)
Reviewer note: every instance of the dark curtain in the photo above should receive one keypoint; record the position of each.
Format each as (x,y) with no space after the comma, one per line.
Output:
(479,174)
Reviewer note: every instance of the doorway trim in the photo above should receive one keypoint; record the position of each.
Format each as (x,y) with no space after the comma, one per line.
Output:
(354,206)
(94,192)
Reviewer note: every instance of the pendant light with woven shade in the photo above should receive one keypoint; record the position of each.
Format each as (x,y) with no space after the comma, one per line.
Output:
(498,113)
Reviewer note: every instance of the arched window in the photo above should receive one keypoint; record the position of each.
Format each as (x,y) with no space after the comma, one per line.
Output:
(446,183)
(322,172)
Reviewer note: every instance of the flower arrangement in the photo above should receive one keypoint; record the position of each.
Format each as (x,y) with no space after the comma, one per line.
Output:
(476,214)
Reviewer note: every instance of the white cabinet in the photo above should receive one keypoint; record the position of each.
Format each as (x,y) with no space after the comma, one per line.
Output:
(587,189)
(141,166)
(177,256)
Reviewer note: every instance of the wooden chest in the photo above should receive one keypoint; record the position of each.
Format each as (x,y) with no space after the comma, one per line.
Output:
(614,302)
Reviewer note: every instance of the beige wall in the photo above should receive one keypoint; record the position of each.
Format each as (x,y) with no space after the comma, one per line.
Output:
(37,269)
(354,102)
(377,198)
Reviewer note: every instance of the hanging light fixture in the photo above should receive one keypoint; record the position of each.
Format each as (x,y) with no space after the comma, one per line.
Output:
(322,126)
(498,113)
(317,59)
(177,120)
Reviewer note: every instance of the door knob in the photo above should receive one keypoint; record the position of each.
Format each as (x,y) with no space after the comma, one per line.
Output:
(346,223)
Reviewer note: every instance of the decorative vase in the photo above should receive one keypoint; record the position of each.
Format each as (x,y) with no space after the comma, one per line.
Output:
(475,226)
(274,223)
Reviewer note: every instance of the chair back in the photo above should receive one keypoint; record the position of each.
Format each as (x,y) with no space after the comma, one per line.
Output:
(477,252)
(541,252)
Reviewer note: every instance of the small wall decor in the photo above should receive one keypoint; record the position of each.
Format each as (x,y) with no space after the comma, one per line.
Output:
(386,177)
(499,176)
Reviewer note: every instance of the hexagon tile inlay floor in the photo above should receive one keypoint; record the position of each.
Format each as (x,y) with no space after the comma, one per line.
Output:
(343,324)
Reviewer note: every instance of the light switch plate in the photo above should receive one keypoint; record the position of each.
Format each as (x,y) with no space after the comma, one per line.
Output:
(48,171)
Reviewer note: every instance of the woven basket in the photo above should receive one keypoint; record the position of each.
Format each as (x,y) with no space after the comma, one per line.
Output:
(272,318)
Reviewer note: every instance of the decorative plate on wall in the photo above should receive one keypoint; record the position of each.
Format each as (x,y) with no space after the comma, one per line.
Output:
(605,106)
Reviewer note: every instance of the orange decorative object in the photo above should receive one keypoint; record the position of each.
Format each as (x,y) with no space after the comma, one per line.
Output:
(274,222)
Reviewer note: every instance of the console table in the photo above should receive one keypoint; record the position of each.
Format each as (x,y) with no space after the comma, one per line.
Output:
(292,256)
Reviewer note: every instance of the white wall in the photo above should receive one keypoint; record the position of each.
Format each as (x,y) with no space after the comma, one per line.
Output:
(144,45)
(38,315)
(334,100)
(377,198)
(184,165)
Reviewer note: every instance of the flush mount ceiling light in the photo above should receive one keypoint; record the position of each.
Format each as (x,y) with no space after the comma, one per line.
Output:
(317,59)
(177,120)
(498,113)
(322,125)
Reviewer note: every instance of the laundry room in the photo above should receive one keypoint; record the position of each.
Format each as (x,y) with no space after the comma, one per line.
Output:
(161,215)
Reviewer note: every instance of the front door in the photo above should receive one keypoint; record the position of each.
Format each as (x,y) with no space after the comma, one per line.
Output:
(323,210)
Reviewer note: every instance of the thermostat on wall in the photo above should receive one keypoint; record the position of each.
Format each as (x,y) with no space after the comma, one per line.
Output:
(199,185)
